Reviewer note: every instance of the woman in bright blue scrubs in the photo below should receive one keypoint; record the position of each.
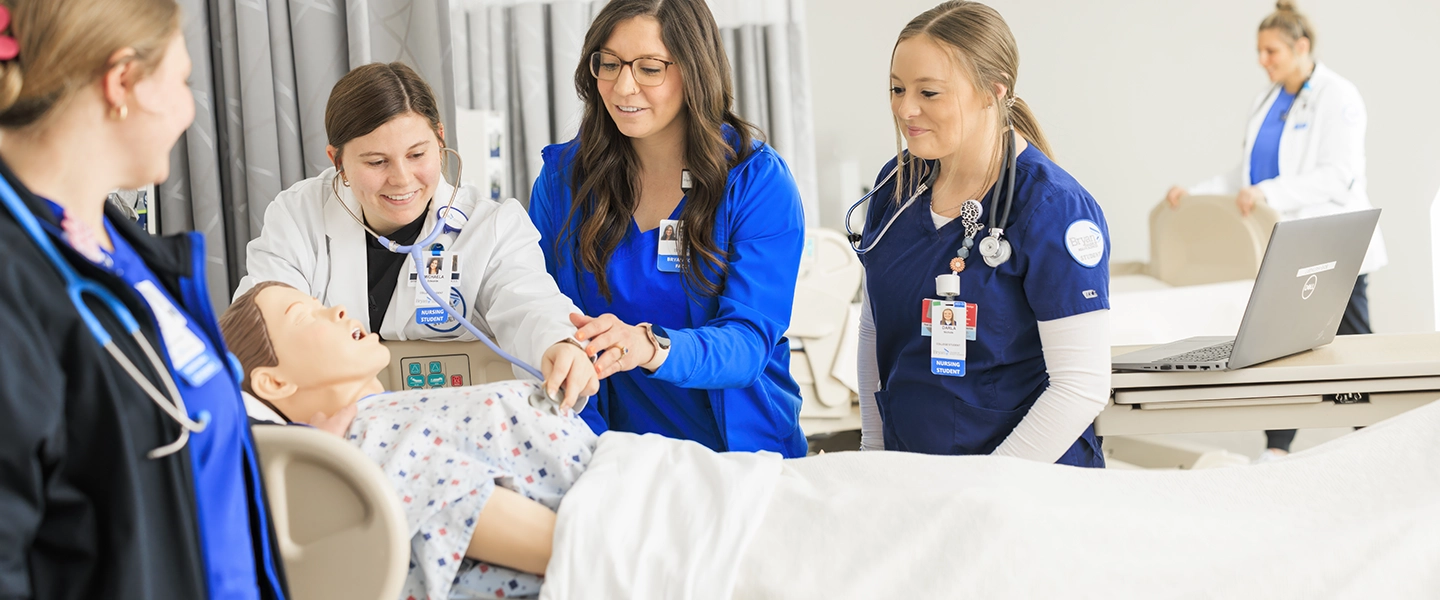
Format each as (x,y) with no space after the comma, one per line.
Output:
(1304,155)
(1028,370)
(689,333)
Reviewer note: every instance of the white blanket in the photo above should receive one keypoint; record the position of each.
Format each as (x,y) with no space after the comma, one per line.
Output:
(657,518)
(1356,518)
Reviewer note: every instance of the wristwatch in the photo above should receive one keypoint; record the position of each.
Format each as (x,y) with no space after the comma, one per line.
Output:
(657,336)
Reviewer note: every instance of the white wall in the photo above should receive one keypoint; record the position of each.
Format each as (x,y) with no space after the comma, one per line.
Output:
(1137,95)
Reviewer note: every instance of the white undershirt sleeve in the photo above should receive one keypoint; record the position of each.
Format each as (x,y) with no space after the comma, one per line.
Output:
(872,436)
(1077,358)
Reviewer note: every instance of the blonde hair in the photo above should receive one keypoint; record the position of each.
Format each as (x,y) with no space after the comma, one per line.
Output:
(985,50)
(1290,22)
(66,44)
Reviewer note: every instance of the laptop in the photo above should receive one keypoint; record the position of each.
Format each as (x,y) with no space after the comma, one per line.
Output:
(1300,294)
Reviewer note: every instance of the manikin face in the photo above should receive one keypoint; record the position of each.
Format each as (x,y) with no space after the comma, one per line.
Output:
(640,111)
(1277,56)
(393,171)
(160,108)
(935,103)
(316,347)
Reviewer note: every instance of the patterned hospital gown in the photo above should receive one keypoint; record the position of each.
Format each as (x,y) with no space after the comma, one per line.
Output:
(446,450)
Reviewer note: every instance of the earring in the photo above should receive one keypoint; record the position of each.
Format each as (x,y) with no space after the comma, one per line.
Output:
(119,113)
(345,181)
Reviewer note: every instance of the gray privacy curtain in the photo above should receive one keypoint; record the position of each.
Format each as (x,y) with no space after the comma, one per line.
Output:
(519,57)
(262,74)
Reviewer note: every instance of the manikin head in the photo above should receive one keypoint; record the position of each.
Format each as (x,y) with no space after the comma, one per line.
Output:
(300,357)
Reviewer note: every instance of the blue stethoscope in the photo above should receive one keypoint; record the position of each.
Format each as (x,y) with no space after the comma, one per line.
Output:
(416,252)
(76,288)
(994,248)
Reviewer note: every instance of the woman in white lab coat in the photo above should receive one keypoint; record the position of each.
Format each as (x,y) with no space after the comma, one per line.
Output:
(387,144)
(1304,153)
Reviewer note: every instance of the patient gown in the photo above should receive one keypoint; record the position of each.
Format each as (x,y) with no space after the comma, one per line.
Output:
(445,450)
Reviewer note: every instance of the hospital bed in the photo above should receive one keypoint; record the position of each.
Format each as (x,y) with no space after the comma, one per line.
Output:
(338,524)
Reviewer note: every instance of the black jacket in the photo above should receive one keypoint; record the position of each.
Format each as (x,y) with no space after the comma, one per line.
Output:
(83,512)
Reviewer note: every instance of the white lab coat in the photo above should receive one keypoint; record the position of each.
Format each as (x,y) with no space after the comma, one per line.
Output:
(1322,156)
(311,243)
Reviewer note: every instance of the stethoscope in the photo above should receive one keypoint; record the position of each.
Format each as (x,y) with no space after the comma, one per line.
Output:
(416,251)
(994,248)
(1285,116)
(76,288)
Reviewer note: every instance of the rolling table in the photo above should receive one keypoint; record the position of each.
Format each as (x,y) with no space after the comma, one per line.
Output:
(1354,381)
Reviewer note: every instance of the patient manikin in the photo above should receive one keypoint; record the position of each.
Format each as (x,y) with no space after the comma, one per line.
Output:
(480,472)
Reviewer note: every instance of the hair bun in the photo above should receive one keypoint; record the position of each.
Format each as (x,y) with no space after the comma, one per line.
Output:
(1285,6)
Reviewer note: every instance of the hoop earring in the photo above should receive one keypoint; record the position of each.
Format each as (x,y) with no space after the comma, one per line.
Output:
(119,113)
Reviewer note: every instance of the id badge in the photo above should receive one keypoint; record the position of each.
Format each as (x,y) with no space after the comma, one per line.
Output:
(947,337)
(971,310)
(187,351)
(437,271)
(667,254)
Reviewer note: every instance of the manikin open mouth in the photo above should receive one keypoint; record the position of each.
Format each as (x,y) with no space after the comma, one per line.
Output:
(357,334)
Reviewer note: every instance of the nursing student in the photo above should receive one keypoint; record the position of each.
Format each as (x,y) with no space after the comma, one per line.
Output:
(1304,155)
(1021,246)
(321,235)
(689,333)
(127,468)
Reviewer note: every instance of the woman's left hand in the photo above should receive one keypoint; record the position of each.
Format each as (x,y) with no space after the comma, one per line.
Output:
(1247,199)
(621,347)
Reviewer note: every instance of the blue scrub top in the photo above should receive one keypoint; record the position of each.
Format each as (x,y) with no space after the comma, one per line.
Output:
(217,454)
(726,383)
(1005,370)
(1265,153)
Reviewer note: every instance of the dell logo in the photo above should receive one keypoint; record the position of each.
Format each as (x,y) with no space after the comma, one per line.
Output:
(1309,287)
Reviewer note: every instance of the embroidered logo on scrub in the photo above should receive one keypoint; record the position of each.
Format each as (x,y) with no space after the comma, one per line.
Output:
(1085,242)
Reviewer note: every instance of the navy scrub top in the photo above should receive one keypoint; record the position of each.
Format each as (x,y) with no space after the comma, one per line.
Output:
(1265,153)
(1005,370)
(726,383)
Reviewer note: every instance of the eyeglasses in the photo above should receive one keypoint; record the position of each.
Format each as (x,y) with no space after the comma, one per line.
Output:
(649,72)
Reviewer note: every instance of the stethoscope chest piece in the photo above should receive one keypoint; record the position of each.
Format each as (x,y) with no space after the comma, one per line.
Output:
(994,249)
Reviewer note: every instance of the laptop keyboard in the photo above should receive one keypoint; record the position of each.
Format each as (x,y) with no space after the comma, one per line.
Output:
(1215,353)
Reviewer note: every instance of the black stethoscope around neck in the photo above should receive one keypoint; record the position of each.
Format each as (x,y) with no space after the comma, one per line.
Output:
(995,250)
(1275,92)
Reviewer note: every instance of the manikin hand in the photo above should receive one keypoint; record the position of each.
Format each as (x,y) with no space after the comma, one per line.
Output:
(337,424)
(566,364)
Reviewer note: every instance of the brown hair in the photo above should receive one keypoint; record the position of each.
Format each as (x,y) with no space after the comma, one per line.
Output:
(66,44)
(248,338)
(1290,22)
(985,50)
(606,172)
(370,96)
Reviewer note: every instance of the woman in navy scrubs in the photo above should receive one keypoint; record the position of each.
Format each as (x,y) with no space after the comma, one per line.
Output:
(689,331)
(1028,369)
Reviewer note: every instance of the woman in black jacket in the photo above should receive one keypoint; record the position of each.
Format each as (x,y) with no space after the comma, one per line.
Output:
(109,489)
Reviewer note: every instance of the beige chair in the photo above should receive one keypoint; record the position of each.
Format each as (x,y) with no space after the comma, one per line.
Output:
(338,522)
(829,280)
(1206,240)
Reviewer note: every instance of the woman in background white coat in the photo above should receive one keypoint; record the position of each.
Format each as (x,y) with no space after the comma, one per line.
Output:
(1304,154)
